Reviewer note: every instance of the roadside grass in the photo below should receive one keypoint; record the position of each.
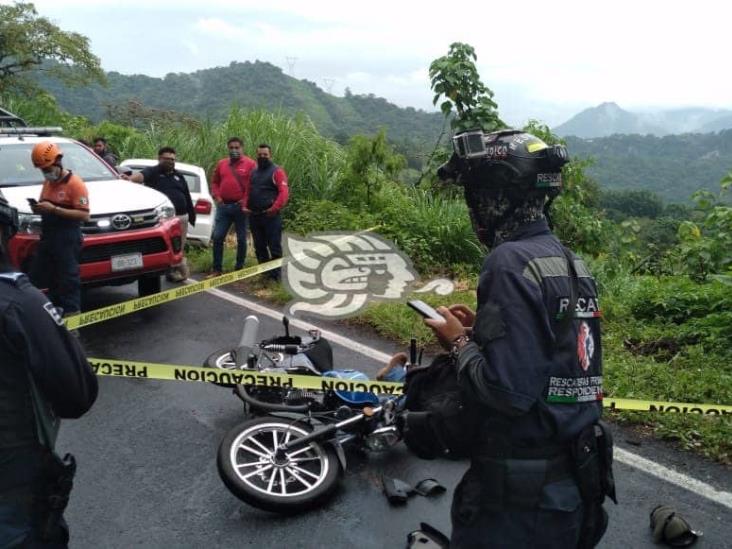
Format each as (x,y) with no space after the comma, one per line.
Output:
(200,261)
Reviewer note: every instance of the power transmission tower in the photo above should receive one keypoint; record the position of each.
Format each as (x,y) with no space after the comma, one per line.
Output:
(329,84)
(291,64)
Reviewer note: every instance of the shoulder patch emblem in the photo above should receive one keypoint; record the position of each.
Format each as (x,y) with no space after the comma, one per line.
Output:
(53,313)
(84,201)
(585,345)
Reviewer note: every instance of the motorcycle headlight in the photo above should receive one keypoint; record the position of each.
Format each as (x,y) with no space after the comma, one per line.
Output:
(29,223)
(165,210)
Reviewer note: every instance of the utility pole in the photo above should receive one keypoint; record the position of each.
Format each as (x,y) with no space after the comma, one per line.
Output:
(291,64)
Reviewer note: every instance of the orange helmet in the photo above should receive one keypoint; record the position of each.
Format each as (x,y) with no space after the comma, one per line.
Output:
(45,154)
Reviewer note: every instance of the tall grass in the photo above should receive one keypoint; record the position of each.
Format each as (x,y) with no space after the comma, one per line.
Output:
(313,163)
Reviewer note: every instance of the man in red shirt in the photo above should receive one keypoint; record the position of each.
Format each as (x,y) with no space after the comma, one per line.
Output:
(63,206)
(266,195)
(229,185)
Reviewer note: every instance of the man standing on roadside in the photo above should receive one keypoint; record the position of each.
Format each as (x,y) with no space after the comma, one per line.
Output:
(100,147)
(267,195)
(229,185)
(63,207)
(169,181)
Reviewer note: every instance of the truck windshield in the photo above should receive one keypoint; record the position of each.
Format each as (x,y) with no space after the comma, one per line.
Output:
(17,170)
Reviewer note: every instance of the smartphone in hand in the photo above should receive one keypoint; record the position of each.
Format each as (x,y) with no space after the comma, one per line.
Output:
(32,201)
(425,310)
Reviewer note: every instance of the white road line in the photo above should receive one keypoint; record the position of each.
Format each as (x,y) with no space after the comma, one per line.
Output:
(674,477)
(623,456)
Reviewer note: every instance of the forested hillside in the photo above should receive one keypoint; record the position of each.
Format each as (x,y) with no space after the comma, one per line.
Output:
(673,166)
(211,92)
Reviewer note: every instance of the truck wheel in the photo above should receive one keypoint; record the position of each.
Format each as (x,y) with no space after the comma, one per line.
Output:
(148,284)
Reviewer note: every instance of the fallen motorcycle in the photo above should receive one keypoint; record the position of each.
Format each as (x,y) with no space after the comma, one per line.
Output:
(289,455)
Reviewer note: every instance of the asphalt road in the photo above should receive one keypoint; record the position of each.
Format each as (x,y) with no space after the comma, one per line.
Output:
(146,454)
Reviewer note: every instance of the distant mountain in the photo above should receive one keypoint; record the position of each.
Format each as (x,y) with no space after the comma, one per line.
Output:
(673,166)
(603,120)
(609,119)
(211,92)
(721,123)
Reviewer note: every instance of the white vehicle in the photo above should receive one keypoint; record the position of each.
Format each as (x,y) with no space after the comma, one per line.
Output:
(200,194)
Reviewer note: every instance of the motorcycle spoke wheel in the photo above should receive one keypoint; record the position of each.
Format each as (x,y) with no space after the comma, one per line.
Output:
(255,461)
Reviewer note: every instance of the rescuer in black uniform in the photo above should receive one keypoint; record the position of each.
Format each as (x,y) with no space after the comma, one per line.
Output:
(528,362)
(34,483)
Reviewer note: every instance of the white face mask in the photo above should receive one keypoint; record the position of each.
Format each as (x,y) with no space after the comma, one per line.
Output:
(53,173)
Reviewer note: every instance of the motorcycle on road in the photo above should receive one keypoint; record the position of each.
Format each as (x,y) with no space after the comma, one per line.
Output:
(288,455)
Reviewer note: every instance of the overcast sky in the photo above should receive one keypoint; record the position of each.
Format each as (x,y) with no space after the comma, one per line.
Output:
(545,60)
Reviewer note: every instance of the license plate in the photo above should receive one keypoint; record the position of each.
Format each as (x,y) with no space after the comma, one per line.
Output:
(126,262)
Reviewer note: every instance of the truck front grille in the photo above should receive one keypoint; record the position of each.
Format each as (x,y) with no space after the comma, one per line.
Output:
(102,252)
(112,223)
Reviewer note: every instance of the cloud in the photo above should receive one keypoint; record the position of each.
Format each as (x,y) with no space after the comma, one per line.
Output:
(218,28)
(569,54)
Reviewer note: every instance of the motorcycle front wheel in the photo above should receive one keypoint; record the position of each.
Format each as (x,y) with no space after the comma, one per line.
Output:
(301,479)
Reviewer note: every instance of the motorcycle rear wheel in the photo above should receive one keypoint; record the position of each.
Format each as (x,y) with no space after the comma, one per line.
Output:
(221,360)
(303,479)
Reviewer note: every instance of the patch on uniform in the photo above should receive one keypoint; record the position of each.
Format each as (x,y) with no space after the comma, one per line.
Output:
(585,345)
(544,180)
(574,390)
(586,307)
(53,313)
(83,201)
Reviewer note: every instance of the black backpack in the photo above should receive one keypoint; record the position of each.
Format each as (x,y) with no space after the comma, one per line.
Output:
(439,421)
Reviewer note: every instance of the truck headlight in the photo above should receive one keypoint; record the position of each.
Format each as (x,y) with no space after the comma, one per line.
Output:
(165,210)
(29,223)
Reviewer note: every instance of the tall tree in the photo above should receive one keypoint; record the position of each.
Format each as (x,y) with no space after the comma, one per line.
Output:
(456,77)
(30,42)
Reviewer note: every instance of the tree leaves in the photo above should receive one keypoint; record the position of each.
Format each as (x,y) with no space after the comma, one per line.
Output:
(456,77)
(28,42)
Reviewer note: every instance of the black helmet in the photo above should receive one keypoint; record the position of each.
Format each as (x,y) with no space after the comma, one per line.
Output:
(509,178)
(506,159)
(8,217)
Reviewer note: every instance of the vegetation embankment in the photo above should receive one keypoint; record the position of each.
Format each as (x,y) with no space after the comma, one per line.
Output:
(664,271)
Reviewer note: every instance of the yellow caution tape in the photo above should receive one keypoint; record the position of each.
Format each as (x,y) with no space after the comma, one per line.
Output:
(672,407)
(126,307)
(148,370)
(133,305)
